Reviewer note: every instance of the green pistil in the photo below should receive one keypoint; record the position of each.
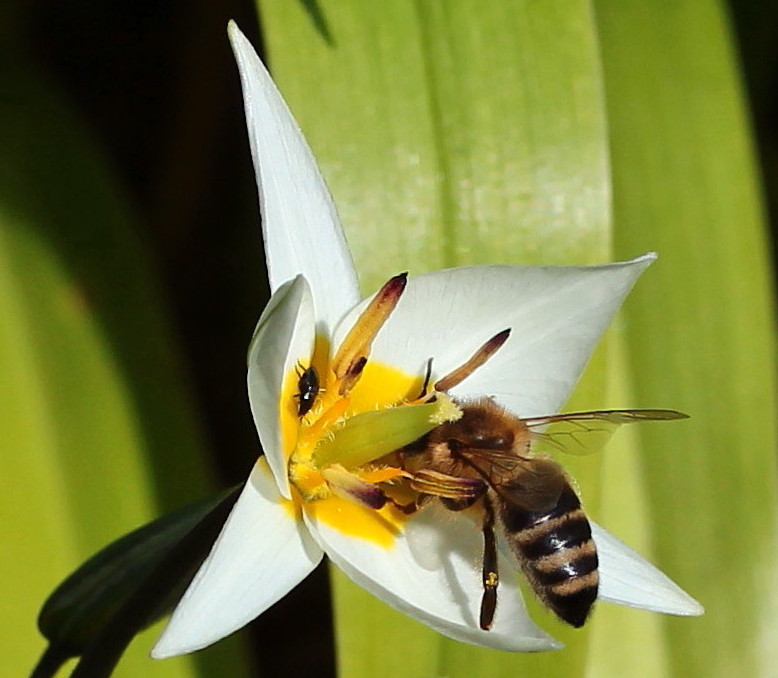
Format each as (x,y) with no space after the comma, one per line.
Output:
(371,435)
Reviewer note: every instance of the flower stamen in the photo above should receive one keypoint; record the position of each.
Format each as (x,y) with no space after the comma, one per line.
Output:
(476,360)
(327,420)
(352,355)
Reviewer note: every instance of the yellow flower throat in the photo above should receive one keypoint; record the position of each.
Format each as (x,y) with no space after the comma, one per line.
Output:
(379,387)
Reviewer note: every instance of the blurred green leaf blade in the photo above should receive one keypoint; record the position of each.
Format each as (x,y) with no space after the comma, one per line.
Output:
(80,607)
(703,332)
(99,424)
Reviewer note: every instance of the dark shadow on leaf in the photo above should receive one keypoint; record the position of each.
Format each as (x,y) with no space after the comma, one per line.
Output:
(318,20)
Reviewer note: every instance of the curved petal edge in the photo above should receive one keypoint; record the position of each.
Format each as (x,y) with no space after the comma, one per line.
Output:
(431,574)
(301,229)
(285,335)
(556,315)
(626,578)
(260,555)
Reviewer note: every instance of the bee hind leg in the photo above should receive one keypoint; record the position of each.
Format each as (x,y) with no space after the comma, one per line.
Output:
(489,574)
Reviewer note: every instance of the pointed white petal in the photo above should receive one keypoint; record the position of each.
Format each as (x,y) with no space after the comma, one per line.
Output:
(556,315)
(300,225)
(284,336)
(432,573)
(628,579)
(261,554)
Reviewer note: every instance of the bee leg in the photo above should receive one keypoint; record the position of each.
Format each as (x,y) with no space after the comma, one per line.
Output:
(454,492)
(489,572)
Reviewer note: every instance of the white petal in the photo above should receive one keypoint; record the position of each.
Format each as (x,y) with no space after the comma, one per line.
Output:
(300,225)
(261,554)
(284,336)
(556,315)
(628,579)
(432,573)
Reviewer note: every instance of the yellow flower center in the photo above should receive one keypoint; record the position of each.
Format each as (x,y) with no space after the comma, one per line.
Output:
(380,387)
(344,419)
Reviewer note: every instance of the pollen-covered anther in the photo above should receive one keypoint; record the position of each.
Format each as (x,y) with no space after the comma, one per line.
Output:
(349,486)
(354,351)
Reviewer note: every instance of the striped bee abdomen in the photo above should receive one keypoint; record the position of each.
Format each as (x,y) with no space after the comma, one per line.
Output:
(557,554)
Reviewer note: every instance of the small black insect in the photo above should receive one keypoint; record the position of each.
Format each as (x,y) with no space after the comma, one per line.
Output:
(307,389)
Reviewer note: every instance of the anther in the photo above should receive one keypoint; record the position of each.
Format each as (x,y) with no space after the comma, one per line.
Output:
(354,351)
(476,360)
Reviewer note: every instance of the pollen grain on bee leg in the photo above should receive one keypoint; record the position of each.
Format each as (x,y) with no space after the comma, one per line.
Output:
(489,574)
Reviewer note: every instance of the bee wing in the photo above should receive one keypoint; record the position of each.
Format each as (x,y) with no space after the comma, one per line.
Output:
(528,483)
(586,432)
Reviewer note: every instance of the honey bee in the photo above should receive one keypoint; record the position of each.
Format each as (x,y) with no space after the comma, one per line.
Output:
(486,457)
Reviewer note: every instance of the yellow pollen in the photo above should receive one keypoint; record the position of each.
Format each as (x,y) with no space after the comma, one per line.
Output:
(378,387)
(326,421)
(380,527)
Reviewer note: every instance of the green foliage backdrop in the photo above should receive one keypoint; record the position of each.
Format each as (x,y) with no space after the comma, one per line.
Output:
(451,132)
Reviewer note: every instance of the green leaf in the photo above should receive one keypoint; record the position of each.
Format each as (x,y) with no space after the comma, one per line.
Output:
(451,132)
(77,613)
(146,572)
(97,426)
(700,330)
